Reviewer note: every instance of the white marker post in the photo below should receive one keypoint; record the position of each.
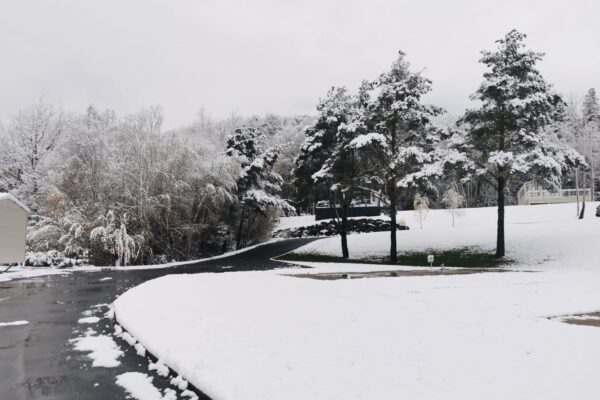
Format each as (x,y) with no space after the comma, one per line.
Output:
(430,260)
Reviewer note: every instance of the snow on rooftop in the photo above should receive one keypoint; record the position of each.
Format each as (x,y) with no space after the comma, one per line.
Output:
(10,197)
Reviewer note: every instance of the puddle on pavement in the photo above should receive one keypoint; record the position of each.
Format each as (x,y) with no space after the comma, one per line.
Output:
(588,319)
(392,274)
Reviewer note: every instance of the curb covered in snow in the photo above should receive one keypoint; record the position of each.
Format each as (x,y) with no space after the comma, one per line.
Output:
(155,364)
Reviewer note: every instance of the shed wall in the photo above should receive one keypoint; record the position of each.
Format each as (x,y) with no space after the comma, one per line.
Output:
(13,231)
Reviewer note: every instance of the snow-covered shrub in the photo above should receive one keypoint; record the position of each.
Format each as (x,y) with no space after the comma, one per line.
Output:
(453,200)
(52,258)
(43,233)
(328,228)
(110,239)
(65,234)
(421,208)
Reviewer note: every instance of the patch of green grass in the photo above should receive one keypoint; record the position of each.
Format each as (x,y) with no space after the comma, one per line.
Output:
(464,258)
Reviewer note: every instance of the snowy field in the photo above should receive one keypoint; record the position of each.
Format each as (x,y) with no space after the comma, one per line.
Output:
(257,335)
(544,236)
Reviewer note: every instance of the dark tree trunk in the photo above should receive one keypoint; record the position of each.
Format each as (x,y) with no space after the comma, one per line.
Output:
(238,239)
(393,227)
(344,231)
(500,232)
(478,194)
(581,214)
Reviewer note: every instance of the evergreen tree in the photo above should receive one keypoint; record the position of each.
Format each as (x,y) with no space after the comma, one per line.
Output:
(399,135)
(327,158)
(506,134)
(591,108)
(258,185)
(319,143)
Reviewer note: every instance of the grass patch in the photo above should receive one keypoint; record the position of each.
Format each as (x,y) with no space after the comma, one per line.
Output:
(464,258)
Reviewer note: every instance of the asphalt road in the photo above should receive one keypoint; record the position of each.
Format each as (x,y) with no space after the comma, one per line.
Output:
(38,362)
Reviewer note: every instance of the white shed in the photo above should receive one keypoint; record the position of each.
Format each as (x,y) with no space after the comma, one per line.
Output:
(13,229)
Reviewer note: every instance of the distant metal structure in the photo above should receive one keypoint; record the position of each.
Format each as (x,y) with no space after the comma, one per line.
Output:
(365,208)
(353,211)
(532,194)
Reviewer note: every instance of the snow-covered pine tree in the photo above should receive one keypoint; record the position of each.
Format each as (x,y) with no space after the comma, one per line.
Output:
(591,107)
(339,122)
(506,133)
(257,185)
(319,142)
(399,134)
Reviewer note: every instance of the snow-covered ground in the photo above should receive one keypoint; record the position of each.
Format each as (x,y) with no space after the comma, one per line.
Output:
(28,272)
(257,335)
(548,235)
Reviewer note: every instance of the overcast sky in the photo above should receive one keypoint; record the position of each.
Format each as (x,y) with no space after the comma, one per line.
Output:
(255,57)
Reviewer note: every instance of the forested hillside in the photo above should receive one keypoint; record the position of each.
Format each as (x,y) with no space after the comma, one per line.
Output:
(121,189)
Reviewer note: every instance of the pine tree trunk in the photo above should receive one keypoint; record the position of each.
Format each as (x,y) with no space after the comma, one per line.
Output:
(344,231)
(577,189)
(500,231)
(393,228)
(593,186)
(238,241)
(581,214)
(477,194)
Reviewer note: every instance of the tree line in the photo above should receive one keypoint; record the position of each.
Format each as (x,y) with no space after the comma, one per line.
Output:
(122,190)
(383,139)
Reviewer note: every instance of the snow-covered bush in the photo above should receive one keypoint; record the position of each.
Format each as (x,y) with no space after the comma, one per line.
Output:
(453,200)
(52,258)
(329,228)
(110,239)
(65,234)
(421,208)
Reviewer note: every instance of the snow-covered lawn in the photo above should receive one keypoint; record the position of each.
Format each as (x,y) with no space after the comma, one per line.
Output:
(257,335)
(544,236)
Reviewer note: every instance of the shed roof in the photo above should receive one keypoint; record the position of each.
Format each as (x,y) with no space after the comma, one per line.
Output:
(10,197)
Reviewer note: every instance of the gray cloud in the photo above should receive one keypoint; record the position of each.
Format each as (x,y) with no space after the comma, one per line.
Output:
(268,55)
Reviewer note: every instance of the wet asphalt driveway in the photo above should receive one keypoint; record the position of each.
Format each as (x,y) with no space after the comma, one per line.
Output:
(38,362)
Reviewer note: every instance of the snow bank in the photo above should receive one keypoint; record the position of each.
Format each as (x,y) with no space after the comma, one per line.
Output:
(88,320)
(14,323)
(140,387)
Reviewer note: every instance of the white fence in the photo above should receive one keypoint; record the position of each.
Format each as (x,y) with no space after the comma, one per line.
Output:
(531,194)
